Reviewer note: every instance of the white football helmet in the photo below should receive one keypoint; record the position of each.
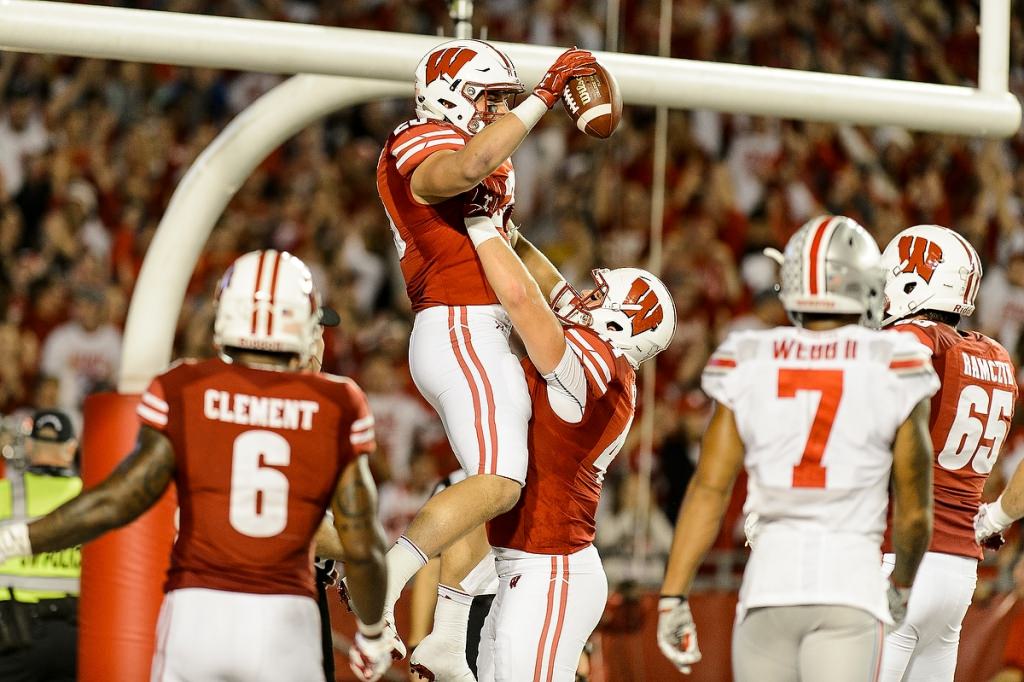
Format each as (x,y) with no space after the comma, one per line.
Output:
(928,267)
(831,266)
(266,301)
(453,75)
(630,307)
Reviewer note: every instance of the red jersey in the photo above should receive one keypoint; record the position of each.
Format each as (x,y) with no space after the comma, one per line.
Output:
(970,419)
(438,261)
(558,505)
(257,457)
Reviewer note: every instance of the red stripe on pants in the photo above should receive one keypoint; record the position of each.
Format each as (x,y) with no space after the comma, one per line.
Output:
(547,621)
(492,424)
(481,469)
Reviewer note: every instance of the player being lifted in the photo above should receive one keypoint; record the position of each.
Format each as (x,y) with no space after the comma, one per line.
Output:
(257,449)
(582,387)
(459,354)
(822,415)
(932,278)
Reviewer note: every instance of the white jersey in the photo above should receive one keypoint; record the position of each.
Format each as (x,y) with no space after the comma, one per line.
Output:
(818,413)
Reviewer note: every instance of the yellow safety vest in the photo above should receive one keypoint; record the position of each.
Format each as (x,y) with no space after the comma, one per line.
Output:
(24,496)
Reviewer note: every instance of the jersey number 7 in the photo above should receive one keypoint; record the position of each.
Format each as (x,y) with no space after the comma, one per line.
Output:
(809,473)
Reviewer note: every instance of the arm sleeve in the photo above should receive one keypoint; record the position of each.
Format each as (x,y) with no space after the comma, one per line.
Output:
(720,377)
(567,387)
(415,145)
(911,374)
(153,407)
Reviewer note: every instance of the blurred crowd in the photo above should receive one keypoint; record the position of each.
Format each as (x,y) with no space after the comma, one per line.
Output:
(91,151)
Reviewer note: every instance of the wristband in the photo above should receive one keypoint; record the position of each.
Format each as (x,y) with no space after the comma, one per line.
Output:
(530,111)
(370,631)
(998,514)
(14,541)
(481,229)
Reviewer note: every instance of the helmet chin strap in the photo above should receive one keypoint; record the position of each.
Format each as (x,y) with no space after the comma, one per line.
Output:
(894,318)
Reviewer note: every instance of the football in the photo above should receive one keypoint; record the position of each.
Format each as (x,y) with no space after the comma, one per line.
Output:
(594,103)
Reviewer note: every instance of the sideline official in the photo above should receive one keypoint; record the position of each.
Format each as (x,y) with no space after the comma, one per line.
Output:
(39,594)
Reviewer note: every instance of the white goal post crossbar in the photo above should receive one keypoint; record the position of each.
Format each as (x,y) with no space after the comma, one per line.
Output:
(280,47)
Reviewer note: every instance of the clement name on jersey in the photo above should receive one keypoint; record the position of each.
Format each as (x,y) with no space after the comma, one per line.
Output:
(257,457)
(970,420)
(438,261)
(556,511)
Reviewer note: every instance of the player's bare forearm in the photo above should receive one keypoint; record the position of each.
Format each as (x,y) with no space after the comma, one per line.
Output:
(362,540)
(526,306)
(450,173)
(912,494)
(1012,499)
(326,543)
(707,498)
(543,270)
(137,483)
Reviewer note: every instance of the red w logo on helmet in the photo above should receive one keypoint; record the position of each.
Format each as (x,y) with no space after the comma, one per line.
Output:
(448,62)
(650,313)
(920,256)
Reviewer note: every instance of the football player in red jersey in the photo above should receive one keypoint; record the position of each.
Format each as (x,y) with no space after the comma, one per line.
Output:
(459,354)
(257,448)
(582,386)
(932,278)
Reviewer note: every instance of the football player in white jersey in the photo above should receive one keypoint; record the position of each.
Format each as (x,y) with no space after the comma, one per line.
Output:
(822,415)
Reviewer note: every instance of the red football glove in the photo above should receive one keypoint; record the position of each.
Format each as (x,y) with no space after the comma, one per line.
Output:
(570,64)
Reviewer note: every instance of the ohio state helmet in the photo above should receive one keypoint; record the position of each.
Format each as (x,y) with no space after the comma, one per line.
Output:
(929,267)
(831,266)
(631,308)
(266,301)
(453,75)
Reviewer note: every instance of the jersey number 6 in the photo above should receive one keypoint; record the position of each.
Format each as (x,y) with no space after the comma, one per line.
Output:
(259,492)
(809,473)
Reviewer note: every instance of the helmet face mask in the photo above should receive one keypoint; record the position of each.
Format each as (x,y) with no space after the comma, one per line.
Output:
(929,267)
(631,308)
(266,302)
(831,267)
(452,78)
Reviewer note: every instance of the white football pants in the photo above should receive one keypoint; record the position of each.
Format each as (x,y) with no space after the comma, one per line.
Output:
(546,608)
(809,643)
(460,359)
(219,636)
(925,646)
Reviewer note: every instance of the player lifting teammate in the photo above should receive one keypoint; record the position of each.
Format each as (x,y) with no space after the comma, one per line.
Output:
(582,386)
(459,354)
(822,415)
(257,448)
(932,278)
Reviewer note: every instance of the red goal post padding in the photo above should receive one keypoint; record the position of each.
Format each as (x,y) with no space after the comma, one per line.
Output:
(122,572)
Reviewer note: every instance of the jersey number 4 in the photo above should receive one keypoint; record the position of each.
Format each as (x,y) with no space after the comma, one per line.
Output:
(259,492)
(970,438)
(809,473)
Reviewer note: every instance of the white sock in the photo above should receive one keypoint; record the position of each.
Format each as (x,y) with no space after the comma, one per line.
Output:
(451,617)
(403,561)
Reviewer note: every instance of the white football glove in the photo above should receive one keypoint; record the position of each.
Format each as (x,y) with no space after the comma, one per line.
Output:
(369,657)
(899,597)
(751,527)
(677,634)
(990,520)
